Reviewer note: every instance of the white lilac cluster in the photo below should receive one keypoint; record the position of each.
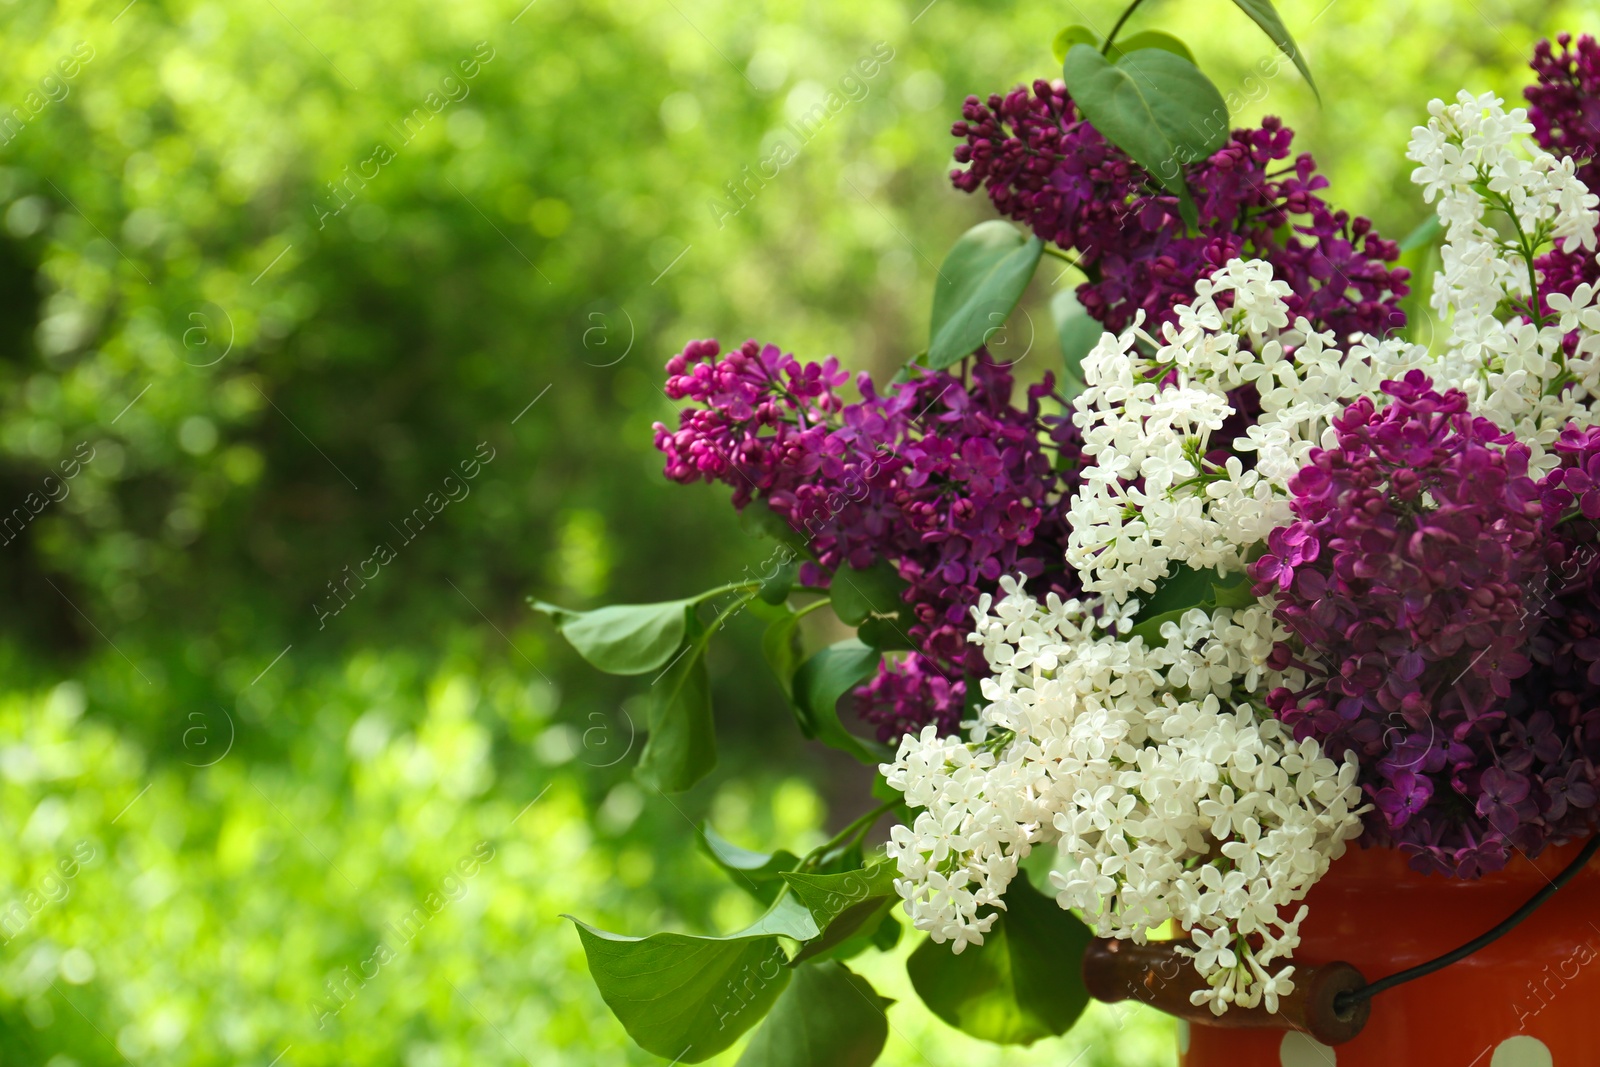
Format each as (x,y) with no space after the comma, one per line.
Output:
(1152,765)
(1159,490)
(1167,796)
(1502,201)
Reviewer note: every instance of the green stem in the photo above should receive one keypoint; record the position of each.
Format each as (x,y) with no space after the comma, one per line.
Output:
(813,606)
(850,834)
(1105,49)
(701,642)
(748,587)
(1051,250)
(1527,248)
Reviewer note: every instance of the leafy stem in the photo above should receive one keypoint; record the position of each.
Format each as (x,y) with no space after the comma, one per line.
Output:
(801,613)
(852,833)
(732,587)
(1105,49)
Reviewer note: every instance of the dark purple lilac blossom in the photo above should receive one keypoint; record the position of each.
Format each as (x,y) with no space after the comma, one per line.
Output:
(1564,108)
(1422,581)
(942,476)
(1050,170)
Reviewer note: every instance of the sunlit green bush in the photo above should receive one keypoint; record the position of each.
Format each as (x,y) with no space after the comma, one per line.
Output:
(268,387)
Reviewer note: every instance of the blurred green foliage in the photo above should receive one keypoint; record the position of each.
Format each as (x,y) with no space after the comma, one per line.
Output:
(533,209)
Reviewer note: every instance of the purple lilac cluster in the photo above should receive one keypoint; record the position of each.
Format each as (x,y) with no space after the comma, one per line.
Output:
(1046,167)
(941,475)
(1559,700)
(1419,573)
(1564,108)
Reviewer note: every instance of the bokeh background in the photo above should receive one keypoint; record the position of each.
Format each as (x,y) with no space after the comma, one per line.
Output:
(220,780)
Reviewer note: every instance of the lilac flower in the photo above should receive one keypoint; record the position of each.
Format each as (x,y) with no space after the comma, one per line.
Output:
(1564,109)
(1046,167)
(942,476)
(907,695)
(1403,580)
(1502,799)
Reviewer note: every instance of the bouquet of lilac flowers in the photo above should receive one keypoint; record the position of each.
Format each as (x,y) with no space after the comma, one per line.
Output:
(1253,577)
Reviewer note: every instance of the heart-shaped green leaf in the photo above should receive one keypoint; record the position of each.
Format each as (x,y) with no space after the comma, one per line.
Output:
(686,998)
(682,748)
(871,600)
(780,644)
(827,1017)
(1070,36)
(1156,106)
(758,873)
(821,682)
(1020,985)
(1266,16)
(759,520)
(842,904)
(858,594)
(1078,334)
(1148,39)
(777,581)
(1183,590)
(624,638)
(980,282)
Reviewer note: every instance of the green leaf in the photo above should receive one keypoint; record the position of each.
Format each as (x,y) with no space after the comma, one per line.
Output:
(1021,984)
(859,594)
(892,634)
(758,873)
(842,905)
(1266,16)
(687,998)
(624,638)
(1234,592)
(776,586)
(1144,39)
(882,790)
(1427,231)
(887,935)
(1078,334)
(1181,592)
(1156,106)
(761,521)
(972,702)
(818,686)
(980,282)
(780,644)
(1070,36)
(870,599)
(1183,588)
(904,374)
(682,747)
(1150,628)
(827,1017)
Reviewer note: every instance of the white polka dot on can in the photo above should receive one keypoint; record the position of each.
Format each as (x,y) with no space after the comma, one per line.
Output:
(1302,1050)
(1521,1051)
